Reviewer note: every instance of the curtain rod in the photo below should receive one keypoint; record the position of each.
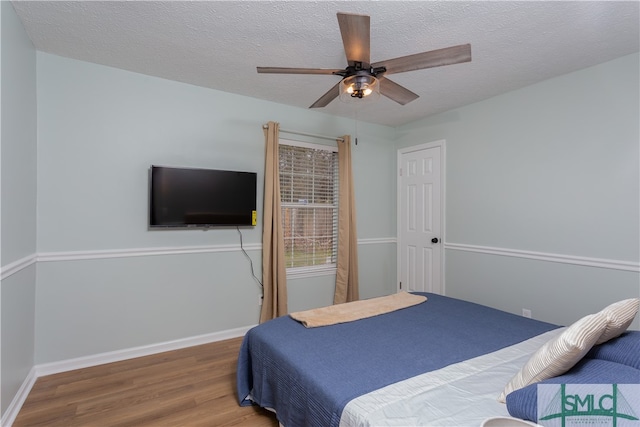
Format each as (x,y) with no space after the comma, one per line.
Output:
(292,132)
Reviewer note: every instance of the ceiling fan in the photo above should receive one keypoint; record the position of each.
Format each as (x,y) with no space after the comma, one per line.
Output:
(362,78)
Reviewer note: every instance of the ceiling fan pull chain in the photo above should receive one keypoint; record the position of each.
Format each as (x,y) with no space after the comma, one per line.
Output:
(356,115)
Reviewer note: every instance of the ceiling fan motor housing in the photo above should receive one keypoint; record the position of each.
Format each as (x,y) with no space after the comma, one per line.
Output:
(360,69)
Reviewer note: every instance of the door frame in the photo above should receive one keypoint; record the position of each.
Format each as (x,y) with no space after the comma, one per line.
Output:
(442,143)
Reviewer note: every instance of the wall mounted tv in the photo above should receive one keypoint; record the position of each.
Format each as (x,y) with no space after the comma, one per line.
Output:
(201,198)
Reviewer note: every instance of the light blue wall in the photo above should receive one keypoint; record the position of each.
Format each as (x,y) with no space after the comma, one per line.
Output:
(18,204)
(19,135)
(550,168)
(100,129)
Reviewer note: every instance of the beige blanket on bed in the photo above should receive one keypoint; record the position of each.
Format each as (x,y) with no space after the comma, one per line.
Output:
(350,311)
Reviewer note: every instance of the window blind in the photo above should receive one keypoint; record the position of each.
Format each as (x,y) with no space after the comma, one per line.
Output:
(309,203)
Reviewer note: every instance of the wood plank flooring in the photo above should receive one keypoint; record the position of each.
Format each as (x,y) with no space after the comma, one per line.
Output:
(195,386)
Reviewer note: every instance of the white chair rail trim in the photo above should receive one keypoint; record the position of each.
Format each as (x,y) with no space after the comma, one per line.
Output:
(550,257)
(16,266)
(31,259)
(25,262)
(126,253)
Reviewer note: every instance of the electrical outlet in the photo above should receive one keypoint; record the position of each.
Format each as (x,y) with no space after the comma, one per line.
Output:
(526,313)
(259,299)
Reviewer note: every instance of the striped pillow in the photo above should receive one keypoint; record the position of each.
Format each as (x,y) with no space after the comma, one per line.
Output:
(559,354)
(619,316)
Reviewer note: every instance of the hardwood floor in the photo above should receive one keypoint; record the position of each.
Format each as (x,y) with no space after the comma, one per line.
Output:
(195,386)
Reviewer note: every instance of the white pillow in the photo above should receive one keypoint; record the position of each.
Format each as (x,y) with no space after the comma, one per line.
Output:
(559,354)
(619,316)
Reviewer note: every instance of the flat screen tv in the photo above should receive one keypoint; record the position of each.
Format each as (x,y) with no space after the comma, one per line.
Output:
(201,198)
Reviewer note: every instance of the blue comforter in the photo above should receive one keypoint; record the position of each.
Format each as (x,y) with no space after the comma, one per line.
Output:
(309,375)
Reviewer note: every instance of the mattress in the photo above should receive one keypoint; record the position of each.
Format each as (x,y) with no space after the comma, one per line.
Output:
(462,394)
(308,376)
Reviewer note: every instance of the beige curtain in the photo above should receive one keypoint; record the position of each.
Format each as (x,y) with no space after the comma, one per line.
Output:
(274,274)
(347,268)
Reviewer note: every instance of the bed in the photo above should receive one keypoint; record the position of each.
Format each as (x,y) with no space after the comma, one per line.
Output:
(441,362)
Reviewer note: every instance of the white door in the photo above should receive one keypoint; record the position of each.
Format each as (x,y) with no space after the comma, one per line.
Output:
(420,218)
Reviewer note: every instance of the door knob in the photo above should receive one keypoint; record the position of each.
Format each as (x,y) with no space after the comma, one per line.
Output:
(434,240)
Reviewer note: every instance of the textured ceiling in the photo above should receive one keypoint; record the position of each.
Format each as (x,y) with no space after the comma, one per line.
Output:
(218,44)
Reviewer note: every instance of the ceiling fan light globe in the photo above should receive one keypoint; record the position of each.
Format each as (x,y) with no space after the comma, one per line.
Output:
(359,88)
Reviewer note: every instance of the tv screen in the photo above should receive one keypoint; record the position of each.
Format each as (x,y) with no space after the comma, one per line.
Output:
(183,197)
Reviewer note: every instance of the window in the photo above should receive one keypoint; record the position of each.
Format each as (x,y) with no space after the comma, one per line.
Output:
(309,203)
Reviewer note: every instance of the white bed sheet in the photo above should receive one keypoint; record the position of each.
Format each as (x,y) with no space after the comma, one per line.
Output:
(462,394)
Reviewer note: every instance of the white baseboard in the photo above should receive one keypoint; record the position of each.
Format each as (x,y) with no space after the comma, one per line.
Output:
(13,409)
(109,357)
(130,353)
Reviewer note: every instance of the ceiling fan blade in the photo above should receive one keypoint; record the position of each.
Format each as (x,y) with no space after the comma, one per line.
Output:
(325,99)
(433,58)
(284,70)
(394,91)
(355,30)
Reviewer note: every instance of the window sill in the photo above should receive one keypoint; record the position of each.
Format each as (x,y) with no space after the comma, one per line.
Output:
(304,272)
